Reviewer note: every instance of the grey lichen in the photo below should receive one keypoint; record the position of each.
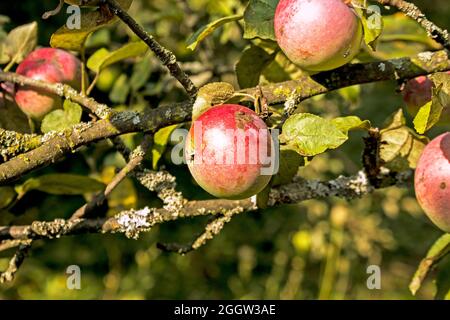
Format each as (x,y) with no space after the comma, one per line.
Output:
(301,190)
(13,143)
(291,103)
(133,222)
(54,229)
(164,184)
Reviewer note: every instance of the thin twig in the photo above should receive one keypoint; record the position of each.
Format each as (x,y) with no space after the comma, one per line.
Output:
(411,10)
(164,55)
(63,90)
(212,229)
(15,263)
(136,157)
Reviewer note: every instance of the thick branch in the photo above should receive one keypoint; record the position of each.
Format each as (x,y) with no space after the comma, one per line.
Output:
(60,144)
(132,222)
(289,92)
(293,92)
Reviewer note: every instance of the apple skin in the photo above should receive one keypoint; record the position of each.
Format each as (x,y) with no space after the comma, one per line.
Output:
(209,142)
(419,91)
(432,181)
(318,35)
(50,65)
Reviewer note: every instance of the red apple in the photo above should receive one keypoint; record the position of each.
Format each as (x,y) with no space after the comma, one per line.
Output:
(318,35)
(50,65)
(227,149)
(432,181)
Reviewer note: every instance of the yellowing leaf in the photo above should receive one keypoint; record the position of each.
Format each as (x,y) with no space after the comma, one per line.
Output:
(161,138)
(346,124)
(20,42)
(430,113)
(437,251)
(74,39)
(400,147)
(372,23)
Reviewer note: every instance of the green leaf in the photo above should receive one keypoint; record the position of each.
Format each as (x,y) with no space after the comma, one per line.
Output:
(19,42)
(120,90)
(430,113)
(161,138)
(7,196)
(59,120)
(400,147)
(310,135)
(75,38)
(290,161)
(250,66)
(437,251)
(96,59)
(351,94)
(372,23)
(346,124)
(103,58)
(61,184)
(206,30)
(141,72)
(258,19)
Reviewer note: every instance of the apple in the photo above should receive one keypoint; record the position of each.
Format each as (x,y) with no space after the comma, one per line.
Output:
(318,35)
(50,65)
(227,149)
(432,181)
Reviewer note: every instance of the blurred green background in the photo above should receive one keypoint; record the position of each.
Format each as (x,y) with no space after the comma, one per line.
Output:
(316,249)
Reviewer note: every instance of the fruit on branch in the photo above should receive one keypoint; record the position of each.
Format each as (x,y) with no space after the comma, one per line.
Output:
(228,152)
(318,35)
(432,181)
(418,92)
(50,65)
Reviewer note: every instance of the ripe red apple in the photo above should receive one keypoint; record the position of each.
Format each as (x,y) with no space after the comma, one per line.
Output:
(432,181)
(50,65)
(318,35)
(227,149)
(417,92)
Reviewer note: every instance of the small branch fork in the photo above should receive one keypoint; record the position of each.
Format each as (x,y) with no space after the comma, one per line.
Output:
(25,153)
